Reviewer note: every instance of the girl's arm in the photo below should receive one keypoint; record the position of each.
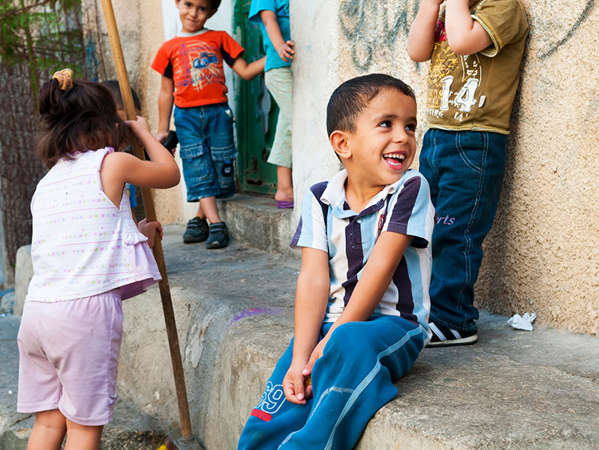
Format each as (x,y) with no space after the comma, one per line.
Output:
(465,36)
(422,32)
(373,283)
(248,71)
(311,299)
(284,48)
(165,107)
(160,171)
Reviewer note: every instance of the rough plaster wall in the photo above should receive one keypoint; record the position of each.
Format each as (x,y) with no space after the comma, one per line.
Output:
(169,208)
(316,75)
(543,252)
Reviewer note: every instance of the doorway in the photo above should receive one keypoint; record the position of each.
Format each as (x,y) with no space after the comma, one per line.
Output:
(257,112)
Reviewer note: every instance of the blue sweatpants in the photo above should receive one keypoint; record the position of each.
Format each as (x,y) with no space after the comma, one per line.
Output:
(351,381)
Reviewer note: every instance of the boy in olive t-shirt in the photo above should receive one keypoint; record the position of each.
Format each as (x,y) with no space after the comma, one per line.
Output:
(476,49)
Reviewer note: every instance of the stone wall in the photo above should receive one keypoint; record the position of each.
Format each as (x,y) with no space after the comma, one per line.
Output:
(543,252)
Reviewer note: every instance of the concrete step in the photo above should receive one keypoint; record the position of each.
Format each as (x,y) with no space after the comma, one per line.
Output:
(255,219)
(234,310)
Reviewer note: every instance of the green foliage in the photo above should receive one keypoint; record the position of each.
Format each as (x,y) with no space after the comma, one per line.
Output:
(46,34)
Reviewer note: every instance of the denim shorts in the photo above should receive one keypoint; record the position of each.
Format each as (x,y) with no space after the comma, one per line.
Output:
(207,150)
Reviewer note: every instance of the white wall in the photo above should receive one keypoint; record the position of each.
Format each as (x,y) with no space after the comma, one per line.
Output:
(316,75)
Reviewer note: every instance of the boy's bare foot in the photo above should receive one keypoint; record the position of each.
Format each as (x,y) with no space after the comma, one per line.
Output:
(284,195)
(284,198)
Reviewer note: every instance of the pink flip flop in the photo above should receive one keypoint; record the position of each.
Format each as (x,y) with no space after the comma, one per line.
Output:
(284,204)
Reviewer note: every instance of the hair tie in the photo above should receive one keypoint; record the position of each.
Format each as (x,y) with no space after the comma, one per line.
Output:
(64,78)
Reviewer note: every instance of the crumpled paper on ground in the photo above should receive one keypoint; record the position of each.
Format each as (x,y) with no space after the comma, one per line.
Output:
(522,322)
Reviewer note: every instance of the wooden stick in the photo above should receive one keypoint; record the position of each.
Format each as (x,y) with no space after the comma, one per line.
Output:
(165,293)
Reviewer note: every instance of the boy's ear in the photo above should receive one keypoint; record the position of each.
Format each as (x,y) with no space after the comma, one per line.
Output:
(340,142)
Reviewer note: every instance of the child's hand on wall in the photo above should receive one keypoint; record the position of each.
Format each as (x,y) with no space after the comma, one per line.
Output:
(286,51)
(149,229)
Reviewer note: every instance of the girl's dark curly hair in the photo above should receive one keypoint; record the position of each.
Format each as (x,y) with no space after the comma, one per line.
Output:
(79,118)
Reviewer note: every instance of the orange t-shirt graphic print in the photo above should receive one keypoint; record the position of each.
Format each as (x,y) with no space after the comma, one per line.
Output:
(201,69)
(195,63)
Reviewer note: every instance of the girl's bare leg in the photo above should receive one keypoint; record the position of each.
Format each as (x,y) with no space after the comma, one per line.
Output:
(83,437)
(48,431)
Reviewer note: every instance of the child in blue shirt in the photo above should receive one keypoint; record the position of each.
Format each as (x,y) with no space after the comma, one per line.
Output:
(273,18)
(361,306)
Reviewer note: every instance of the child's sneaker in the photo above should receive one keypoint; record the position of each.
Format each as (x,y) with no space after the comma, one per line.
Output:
(445,337)
(218,236)
(196,231)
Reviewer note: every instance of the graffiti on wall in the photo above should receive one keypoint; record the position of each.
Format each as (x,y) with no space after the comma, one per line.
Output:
(372,26)
(569,28)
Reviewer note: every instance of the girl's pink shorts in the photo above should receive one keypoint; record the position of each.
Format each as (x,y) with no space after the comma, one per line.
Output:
(69,352)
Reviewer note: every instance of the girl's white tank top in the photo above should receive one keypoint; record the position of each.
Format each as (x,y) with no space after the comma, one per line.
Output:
(82,244)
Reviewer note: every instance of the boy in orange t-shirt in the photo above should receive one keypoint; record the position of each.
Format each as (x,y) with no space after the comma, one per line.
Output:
(191,65)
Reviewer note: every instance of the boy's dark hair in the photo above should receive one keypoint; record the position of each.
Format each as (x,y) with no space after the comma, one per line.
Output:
(80,118)
(215,4)
(115,89)
(352,96)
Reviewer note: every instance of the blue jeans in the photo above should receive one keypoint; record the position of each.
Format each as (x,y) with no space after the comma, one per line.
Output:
(465,172)
(351,381)
(207,150)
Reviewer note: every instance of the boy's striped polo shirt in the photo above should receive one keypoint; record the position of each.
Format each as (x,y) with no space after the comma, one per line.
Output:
(327,223)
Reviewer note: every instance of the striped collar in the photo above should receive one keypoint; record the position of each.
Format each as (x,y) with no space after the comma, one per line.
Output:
(334,196)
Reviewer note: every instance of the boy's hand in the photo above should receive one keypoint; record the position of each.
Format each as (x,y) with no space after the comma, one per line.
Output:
(286,51)
(149,229)
(161,135)
(138,126)
(294,385)
(316,353)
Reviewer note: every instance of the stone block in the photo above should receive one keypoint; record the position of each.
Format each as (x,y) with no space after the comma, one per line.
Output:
(235,318)
(234,311)
(7,303)
(256,220)
(23,275)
